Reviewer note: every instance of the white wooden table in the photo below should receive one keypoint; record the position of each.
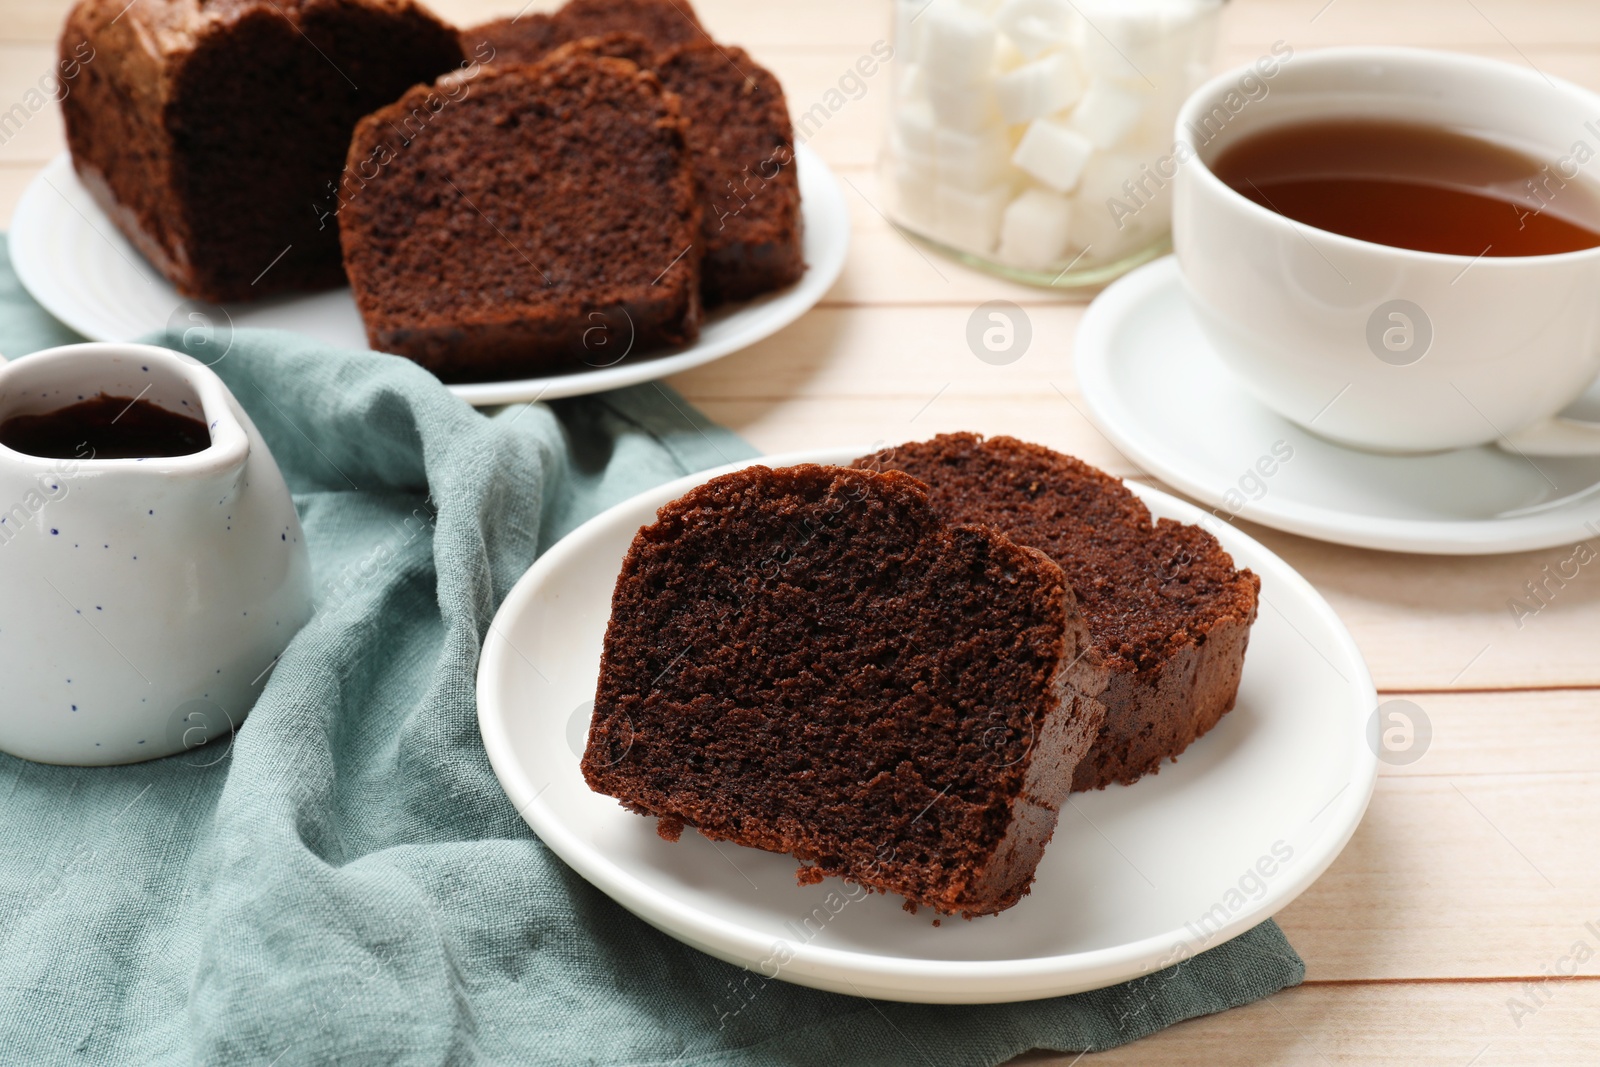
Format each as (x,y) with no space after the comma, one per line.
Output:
(1478,867)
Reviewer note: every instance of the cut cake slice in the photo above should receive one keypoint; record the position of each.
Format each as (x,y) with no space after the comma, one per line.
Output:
(809,661)
(542,219)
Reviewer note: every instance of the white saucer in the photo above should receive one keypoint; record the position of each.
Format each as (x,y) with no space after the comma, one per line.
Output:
(79,267)
(1135,875)
(1156,388)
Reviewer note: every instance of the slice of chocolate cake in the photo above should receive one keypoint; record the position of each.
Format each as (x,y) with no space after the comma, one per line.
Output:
(526,38)
(213,132)
(743,147)
(739,129)
(810,661)
(532,220)
(1169,616)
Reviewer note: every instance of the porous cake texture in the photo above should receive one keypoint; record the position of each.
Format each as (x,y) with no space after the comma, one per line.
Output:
(811,661)
(543,219)
(743,148)
(738,128)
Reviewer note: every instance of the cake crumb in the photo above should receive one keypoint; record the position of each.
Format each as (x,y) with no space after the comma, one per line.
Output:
(809,876)
(670,827)
(909,907)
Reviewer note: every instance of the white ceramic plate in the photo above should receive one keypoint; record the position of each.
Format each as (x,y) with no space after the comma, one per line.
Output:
(1135,877)
(76,264)
(1157,389)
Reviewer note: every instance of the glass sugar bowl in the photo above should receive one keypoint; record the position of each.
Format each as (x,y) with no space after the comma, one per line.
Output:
(1034,138)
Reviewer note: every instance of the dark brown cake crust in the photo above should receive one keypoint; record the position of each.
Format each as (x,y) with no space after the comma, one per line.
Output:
(743,148)
(213,133)
(527,38)
(618,45)
(539,219)
(809,661)
(1169,616)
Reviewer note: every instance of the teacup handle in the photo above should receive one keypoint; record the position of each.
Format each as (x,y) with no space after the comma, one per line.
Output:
(1555,436)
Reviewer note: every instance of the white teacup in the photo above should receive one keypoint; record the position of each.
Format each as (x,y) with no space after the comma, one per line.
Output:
(146,599)
(1381,347)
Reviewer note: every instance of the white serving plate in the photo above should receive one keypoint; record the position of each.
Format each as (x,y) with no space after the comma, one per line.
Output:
(72,259)
(1124,888)
(1160,393)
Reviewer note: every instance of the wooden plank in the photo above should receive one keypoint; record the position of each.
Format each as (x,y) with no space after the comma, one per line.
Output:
(1550,731)
(1480,876)
(1447,1024)
(906,352)
(14,178)
(1430,23)
(30,119)
(818,25)
(38,21)
(821,25)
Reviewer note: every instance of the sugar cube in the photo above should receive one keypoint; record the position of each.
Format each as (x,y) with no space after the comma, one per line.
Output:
(968,107)
(1035,229)
(1126,41)
(972,161)
(921,162)
(908,29)
(1037,89)
(911,82)
(1106,113)
(914,126)
(970,220)
(958,43)
(1120,202)
(1053,154)
(913,199)
(1006,56)
(1035,26)
(1104,175)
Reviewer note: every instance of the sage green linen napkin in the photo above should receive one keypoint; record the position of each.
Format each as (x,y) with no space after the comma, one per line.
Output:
(345,881)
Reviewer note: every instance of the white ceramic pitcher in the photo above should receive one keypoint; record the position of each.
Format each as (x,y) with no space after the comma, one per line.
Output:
(144,600)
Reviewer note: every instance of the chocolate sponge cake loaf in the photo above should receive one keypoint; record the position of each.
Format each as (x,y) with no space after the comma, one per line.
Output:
(213,131)
(1169,616)
(526,38)
(542,220)
(810,661)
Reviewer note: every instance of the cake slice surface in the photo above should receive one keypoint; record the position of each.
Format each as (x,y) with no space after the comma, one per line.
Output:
(810,661)
(743,148)
(739,131)
(1169,615)
(529,220)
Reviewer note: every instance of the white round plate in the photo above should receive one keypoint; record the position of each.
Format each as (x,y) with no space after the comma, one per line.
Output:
(79,267)
(1136,878)
(1157,389)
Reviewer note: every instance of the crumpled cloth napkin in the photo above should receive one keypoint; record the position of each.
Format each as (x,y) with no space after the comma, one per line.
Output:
(345,881)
